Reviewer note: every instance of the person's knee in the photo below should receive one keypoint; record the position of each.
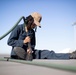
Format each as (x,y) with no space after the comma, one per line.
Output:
(16,48)
(20,52)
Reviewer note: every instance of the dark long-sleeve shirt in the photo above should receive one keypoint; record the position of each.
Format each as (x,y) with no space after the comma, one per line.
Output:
(18,35)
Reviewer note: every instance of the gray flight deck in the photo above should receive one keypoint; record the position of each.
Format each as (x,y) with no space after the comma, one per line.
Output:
(16,68)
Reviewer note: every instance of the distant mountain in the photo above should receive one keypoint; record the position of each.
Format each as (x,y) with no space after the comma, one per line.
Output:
(67,50)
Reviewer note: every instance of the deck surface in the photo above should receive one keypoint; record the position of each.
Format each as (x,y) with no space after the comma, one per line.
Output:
(14,68)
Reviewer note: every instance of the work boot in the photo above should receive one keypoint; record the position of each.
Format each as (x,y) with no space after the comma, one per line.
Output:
(29,57)
(73,55)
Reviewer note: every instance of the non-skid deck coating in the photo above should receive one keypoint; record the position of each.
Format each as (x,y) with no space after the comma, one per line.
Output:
(15,68)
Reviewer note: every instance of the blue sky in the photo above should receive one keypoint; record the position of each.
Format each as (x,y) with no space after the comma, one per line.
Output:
(57,32)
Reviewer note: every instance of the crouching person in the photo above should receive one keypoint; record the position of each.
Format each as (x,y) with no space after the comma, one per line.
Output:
(22,38)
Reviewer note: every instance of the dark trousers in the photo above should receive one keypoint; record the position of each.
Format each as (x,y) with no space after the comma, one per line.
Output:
(46,54)
(20,53)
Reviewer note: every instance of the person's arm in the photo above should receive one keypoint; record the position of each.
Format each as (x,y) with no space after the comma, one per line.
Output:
(13,39)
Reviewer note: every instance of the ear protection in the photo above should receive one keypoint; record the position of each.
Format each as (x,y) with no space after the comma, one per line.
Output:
(29,20)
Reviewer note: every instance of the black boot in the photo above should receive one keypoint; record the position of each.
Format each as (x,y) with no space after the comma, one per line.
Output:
(73,55)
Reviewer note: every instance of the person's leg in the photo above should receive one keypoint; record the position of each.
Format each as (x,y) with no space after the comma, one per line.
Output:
(20,52)
(53,55)
(62,55)
(37,54)
(13,55)
(43,54)
(46,54)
